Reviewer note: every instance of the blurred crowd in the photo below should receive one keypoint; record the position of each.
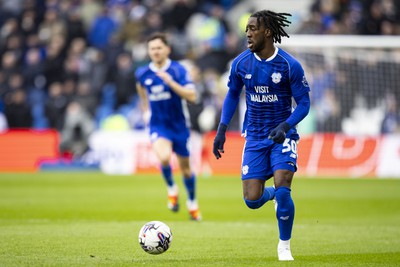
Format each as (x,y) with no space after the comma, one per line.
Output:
(69,65)
(366,17)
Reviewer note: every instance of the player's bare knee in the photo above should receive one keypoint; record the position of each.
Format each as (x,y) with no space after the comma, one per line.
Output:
(252,189)
(251,195)
(283,183)
(185,169)
(164,161)
(283,178)
(187,173)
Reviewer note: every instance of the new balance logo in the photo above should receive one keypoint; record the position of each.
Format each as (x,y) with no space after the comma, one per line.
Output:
(247,76)
(284,218)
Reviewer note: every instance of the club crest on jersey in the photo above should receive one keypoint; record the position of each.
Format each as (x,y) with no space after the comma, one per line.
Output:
(276,77)
(148,81)
(245,169)
(247,76)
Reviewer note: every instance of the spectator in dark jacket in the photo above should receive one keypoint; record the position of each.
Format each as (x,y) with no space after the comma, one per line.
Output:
(17,110)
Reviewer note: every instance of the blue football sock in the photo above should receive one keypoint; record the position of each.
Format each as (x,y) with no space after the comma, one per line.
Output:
(190,184)
(167,174)
(284,212)
(269,193)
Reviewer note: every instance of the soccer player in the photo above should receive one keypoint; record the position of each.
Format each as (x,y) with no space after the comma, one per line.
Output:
(271,78)
(163,85)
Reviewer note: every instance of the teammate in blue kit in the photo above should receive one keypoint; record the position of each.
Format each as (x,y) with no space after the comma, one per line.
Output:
(163,86)
(271,78)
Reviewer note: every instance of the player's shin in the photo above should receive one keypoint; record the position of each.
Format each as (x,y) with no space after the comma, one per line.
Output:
(190,184)
(192,205)
(284,212)
(172,188)
(167,175)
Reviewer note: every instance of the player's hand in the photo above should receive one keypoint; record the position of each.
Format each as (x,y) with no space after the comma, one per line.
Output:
(278,134)
(165,77)
(219,140)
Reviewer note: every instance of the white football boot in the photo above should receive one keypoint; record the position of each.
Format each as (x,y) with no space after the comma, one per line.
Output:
(284,253)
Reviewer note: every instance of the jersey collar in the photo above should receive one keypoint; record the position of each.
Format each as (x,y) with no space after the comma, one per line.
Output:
(163,68)
(270,58)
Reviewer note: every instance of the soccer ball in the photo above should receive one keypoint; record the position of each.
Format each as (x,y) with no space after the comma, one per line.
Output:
(155,237)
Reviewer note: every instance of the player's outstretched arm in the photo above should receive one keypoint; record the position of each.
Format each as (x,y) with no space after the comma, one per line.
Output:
(219,140)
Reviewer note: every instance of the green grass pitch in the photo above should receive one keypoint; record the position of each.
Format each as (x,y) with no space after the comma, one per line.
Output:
(91,219)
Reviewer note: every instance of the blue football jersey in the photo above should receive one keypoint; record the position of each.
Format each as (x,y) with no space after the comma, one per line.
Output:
(270,85)
(168,110)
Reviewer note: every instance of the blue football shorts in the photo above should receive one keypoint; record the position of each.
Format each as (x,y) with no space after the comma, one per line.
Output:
(262,158)
(180,141)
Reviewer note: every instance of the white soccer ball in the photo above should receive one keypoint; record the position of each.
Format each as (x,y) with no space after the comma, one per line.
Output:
(155,237)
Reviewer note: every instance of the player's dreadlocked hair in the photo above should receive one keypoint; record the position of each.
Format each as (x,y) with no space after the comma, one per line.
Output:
(273,21)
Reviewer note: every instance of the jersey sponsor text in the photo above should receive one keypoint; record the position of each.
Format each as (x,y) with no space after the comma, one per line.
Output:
(261,89)
(263,98)
(160,96)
